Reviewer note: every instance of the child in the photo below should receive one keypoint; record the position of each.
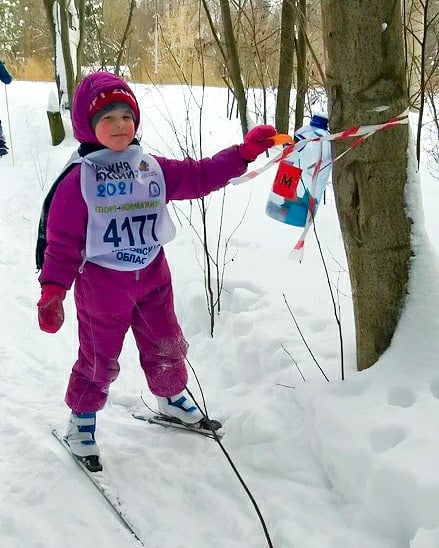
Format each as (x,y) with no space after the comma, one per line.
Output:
(106,228)
(6,78)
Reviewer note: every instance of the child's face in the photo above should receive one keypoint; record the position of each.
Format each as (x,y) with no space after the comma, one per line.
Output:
(115,130)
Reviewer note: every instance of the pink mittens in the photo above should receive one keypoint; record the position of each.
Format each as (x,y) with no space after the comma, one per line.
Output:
(256,142)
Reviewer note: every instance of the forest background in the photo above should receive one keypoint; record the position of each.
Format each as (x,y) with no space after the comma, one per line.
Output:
(165,39)
(279,45)
(366,61)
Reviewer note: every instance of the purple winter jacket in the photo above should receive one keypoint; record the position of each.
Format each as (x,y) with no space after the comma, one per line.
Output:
(67,220)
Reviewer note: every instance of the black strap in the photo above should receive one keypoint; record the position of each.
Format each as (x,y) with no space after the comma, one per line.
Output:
(83,150)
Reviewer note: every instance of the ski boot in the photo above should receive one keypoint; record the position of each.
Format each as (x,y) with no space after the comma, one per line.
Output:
(80,437)
(181,409)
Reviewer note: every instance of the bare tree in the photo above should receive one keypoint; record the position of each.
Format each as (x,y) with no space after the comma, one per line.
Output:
(365,74)
(286,66)
(302,75)
(233,64)
(65,18)
(430,82)
(211,241)
(124,37)
(414,28)
(422,57)
(258,50)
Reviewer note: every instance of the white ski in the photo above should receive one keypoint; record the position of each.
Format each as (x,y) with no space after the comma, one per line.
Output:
(101,483)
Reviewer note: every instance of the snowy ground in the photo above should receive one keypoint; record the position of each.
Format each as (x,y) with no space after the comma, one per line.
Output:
(334,464)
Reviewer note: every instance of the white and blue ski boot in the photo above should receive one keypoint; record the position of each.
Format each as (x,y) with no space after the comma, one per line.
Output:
(80,437)
(181,409)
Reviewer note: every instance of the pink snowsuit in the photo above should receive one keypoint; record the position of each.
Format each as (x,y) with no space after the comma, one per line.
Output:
(109,301)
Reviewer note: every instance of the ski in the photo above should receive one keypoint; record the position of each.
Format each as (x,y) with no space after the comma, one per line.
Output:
(98,479)
(203,429)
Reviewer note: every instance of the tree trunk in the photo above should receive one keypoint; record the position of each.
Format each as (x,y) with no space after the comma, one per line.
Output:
(66,56)
(80,7)
(365,71)
(123,42)
(233,64)
(302,74)
(56,127)
(64,18)
(414,12)
(286,64)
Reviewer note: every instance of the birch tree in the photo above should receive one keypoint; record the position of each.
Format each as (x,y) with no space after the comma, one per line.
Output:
(65,18)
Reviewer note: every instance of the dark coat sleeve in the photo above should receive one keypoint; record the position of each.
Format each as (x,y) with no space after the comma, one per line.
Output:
(5,77)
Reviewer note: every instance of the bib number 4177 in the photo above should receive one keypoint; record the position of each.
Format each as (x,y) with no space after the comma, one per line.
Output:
(132,228)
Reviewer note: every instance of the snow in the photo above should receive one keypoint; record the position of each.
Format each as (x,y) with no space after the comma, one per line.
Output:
(52,102)
(342,463)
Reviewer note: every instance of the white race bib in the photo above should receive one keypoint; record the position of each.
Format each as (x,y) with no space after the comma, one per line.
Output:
(128,221)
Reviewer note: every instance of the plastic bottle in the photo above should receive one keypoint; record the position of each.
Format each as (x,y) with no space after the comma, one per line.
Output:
(292,190)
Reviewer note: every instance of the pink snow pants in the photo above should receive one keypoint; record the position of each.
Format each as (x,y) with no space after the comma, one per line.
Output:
(108,303)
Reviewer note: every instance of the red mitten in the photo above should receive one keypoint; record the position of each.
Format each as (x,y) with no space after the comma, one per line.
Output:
(50,308)
(256,142)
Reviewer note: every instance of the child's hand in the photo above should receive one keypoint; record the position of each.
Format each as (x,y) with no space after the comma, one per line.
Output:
(50,308)
(257,141)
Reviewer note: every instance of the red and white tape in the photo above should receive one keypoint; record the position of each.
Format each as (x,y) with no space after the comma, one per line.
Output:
(360,132)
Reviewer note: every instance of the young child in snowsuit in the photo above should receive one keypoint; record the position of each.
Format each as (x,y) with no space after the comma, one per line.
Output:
(106,228)
(6,78)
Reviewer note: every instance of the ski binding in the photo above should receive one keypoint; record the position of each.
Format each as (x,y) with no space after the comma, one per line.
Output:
(209,428)
(90,463)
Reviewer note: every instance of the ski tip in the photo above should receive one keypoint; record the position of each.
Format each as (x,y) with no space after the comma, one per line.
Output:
(140,417)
